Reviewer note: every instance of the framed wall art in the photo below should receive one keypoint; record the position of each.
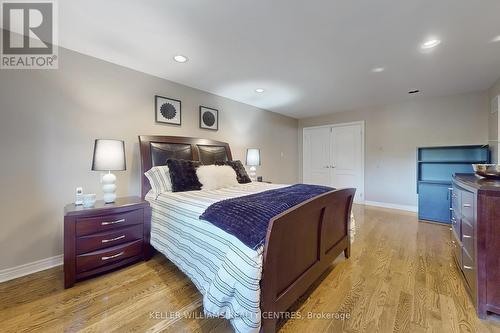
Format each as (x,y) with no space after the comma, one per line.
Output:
(209,118)
(168,110)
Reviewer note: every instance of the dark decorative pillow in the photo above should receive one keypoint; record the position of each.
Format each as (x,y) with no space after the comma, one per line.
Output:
(241,173)
(183,175)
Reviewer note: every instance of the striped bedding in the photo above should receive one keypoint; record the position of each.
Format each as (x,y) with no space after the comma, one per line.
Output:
(224,270)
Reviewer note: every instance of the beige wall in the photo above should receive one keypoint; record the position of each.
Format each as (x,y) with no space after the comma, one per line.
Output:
(49,120)
(393,132)
(494,123)
(495,90)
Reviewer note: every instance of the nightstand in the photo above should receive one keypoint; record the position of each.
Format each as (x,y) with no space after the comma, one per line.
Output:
(105,237)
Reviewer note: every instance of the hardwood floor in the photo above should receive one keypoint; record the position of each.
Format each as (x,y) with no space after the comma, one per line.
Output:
(400,278)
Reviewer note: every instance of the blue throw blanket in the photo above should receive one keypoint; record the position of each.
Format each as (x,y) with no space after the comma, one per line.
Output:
(248,217)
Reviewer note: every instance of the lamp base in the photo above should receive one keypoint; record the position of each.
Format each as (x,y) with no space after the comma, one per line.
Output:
(252,174)
(109,187)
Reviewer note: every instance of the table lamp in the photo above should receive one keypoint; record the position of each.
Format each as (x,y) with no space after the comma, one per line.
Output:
(109,155)
(253,160)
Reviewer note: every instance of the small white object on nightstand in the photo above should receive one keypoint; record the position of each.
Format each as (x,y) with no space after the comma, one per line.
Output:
(109,155)
(79,196)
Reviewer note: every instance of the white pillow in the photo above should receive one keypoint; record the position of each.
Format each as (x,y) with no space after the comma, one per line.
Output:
(213,177)
(159,178)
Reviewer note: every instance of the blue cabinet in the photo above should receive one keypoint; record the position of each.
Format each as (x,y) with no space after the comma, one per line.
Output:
(434,202)
(435,169)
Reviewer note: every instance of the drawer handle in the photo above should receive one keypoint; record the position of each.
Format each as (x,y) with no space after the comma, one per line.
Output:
(467,267)
(466,236)
(467,205)
(112,239)
(113,256)
(113,222)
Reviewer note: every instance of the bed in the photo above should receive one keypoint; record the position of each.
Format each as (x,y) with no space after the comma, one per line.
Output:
(301,243)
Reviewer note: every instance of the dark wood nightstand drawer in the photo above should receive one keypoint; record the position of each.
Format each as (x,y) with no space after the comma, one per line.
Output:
(91,260)
(87,226)
(106,239)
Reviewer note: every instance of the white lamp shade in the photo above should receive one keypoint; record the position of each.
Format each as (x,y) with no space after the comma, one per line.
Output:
(253,157)
(109,155)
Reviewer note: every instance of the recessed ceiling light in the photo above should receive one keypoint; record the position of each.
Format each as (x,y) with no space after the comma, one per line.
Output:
(496,39)
(180,58)
(259,90)
(431,43)
(378,69)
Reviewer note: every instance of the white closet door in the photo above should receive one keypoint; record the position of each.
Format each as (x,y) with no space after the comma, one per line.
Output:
(347,158)
(316,156)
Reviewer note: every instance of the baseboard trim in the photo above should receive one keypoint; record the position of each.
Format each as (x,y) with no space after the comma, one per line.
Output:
(30,268)
(407,208)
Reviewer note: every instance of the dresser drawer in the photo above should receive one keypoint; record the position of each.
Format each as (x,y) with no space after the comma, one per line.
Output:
(106,239)
(456,249)
(455,199)
(469,270)
(468,237)
(468,205)
(91,260)
(456,222)
(87,226)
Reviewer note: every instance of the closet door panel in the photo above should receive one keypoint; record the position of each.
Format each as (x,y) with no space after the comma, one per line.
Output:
(346,152)
(316,157)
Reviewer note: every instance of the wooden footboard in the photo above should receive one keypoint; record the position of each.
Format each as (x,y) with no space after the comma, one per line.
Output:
(301,244)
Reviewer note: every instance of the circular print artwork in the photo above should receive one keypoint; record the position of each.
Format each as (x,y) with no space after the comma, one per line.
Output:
(208,118)
(168,111)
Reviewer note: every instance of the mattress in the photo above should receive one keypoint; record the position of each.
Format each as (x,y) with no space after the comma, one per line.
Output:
(225,271)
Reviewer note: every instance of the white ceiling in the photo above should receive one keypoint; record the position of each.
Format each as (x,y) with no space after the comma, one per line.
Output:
(312,57)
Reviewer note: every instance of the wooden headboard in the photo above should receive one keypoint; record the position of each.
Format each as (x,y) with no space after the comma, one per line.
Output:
(156,150)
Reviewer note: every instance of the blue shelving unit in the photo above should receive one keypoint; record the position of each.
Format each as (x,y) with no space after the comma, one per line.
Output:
(435,169)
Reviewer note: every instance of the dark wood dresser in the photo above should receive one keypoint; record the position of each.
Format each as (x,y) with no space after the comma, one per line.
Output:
(105,237)
(476,238)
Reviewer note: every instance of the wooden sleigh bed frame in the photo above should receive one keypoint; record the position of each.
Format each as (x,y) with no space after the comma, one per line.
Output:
(301,243)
